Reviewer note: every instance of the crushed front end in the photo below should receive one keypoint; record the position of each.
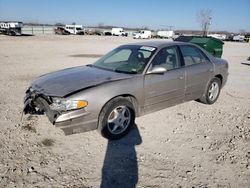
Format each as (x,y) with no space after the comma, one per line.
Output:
(38,103)
(69,115)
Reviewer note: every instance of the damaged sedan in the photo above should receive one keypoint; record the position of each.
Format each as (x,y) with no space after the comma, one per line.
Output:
(130,81)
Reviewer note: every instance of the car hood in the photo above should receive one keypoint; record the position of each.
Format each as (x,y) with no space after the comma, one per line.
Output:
(67,81)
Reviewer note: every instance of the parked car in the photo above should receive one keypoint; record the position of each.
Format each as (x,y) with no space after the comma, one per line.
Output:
(75,29)
(229,37)
(107,33)
(13,33)
(130,81)
(239,38)
(176,35)
(247,38)
(61,31)
(124,34)
(89,31)
(98,32)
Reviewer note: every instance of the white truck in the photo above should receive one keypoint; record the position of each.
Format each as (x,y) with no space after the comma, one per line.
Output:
(165,34)
(143,34)
(239,38)
(11,28)
(118,31)
(74,29)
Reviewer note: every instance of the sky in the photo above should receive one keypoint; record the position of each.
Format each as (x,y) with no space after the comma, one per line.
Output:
(229,15)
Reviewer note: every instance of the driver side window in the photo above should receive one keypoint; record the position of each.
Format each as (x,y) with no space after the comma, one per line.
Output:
(167,58)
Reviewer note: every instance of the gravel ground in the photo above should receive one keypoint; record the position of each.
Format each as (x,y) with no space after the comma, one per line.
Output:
(188,145)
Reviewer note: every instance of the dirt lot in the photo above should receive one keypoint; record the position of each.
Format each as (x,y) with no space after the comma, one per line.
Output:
(189,145)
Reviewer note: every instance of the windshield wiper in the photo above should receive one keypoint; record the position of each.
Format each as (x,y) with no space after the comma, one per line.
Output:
(126,72)
(90,65)
(98,67)
(115,70)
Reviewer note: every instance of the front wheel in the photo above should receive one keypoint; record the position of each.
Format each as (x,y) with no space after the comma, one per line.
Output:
(116,118)
(212,92)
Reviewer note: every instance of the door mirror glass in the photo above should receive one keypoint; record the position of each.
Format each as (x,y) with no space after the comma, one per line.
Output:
(157,70)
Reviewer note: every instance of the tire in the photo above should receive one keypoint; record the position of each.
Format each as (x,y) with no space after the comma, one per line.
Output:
(116,118)
(212,92)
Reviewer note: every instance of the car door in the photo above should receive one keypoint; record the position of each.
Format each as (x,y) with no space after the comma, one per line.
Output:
(198,71)
(166,89)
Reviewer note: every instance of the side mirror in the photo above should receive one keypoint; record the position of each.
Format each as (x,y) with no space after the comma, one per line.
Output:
(157,70)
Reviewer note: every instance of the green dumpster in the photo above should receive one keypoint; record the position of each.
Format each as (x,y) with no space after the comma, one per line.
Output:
(212,45)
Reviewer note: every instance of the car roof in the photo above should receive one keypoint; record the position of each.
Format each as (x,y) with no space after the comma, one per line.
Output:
(161,44)
(158,44)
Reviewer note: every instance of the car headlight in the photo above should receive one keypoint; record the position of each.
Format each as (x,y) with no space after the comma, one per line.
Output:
(65,105)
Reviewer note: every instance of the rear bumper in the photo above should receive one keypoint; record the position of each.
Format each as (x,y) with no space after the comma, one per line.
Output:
(70,122)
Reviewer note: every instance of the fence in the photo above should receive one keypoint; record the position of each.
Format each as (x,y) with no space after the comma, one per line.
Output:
(33,30)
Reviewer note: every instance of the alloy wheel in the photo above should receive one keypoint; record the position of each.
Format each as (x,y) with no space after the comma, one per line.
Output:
(119,119)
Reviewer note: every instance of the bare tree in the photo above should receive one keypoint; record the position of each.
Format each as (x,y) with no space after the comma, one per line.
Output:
(204,18)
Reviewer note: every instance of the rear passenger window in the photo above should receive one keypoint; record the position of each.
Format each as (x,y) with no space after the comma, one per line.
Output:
(192,55)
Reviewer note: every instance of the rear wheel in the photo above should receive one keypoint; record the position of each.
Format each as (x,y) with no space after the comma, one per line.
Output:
(116,118)
(212,91)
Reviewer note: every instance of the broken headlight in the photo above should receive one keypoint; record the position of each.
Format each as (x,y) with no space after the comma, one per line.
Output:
(61,104)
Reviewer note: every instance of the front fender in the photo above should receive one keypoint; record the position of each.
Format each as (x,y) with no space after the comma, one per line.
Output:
(98,96)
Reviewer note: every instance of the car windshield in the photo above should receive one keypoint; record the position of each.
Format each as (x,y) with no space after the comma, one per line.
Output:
(130,59)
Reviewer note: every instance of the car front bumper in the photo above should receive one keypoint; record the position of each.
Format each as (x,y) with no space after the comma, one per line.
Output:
(74,121)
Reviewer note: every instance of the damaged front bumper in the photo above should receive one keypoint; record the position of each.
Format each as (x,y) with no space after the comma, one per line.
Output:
(36,103)
(70,122)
